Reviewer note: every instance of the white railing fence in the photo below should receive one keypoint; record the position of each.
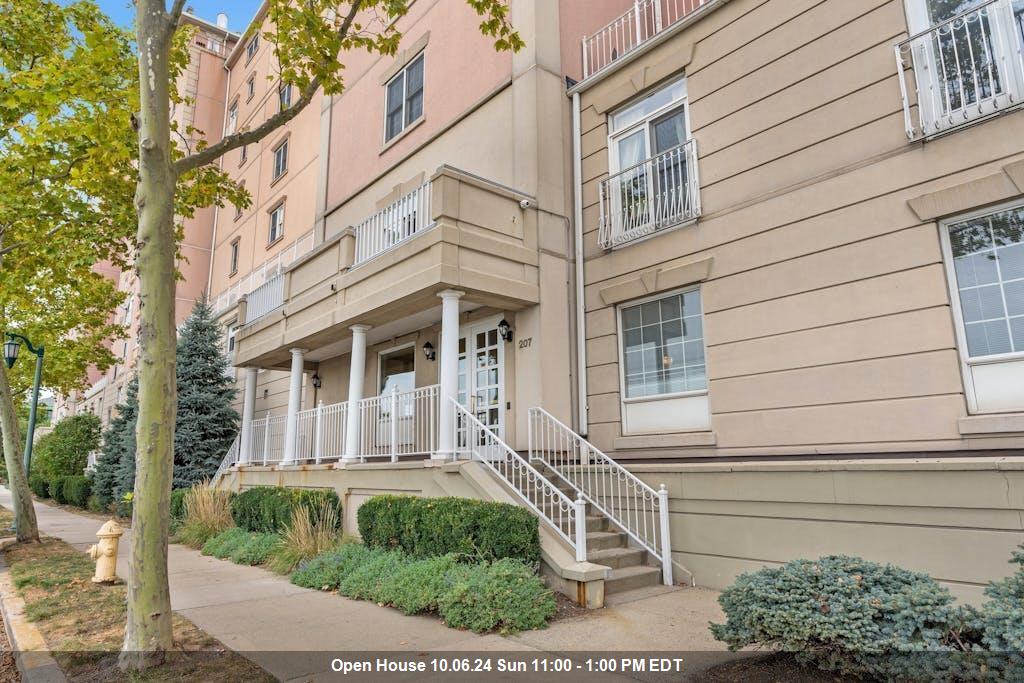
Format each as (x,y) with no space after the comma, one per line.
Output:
(656,193)
(567,517)
(394,224)
(964,68)
(640,23)
(638,509)
(263,272)
(399,424)
(230,458)
(267,441)
(265,298)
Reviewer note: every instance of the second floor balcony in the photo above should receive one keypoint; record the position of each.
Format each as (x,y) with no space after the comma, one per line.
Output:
(660,192)
(962,68)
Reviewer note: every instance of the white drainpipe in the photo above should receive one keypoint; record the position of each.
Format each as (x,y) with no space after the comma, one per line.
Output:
(582,421)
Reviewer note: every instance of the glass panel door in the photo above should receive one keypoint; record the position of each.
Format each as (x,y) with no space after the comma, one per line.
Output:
(667,137)
(481,379)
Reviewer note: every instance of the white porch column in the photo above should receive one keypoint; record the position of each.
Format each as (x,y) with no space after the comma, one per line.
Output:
(357,369)
(448,373)
(291,429)
(248,410)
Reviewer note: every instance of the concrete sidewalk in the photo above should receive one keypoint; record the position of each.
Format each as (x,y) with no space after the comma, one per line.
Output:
(291,631)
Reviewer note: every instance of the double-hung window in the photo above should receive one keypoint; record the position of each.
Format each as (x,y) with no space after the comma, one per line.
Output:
(965,60)
(232,118)
(284,96)
(652,182)
(276,231)
(280,160)
(250,87)
(404,99)
(252,48)
(233,260)
(985,265)
(663,370)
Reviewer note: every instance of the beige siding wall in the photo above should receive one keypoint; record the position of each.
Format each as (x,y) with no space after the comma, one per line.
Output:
(827,315)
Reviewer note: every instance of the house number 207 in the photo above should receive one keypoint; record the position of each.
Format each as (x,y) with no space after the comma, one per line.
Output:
(525,343)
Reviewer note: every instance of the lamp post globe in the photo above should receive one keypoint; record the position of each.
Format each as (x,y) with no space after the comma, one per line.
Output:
(11,349)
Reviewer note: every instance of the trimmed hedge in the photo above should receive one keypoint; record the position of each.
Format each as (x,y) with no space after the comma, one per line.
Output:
(505,595)
(39,486)
(57,489)
(178,504)
(268,509)
(430,527)
(76,490)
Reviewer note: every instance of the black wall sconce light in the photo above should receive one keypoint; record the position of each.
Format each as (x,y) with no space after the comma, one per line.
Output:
(428,351)
(317,382)
(505,330)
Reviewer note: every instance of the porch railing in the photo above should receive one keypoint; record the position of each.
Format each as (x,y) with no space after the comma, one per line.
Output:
(230,458)
(263,272)
(638,509)
(656,193)
(399,424)
(643,21)
(399,221)
(567,517)
(265,298)
(967,67)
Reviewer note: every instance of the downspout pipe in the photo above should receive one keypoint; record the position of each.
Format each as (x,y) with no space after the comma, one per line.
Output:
(582,402)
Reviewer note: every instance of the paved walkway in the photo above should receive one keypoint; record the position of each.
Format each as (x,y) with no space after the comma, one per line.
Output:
(279,626)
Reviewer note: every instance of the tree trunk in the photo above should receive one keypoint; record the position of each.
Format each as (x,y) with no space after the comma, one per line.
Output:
(148,631)
(24,513)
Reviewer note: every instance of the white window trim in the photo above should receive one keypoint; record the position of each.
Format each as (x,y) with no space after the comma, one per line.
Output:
(271,238)
(622,347)
(232,117)
(274,175)
(423,111)
(251,48)
(680,102)
(966,360)
(390,350)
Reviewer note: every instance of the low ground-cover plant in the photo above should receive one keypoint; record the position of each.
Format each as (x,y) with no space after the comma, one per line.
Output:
(504,595)
(269,509)
(431,527)
(310,533)
(241,546)
(860,618)
(207,513)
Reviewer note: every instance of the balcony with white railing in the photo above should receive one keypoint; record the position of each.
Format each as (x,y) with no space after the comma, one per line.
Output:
(645,20)
(265,298)
(394,426)
(396,223)
(657,193)
(262,273)
(963,69)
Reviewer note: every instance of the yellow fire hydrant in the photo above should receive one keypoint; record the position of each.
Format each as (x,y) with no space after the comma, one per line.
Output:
(105,552)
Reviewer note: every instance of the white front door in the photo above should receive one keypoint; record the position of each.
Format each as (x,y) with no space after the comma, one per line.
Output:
(481,375)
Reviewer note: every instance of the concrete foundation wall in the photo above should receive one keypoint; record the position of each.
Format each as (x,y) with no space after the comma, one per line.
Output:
(956,519)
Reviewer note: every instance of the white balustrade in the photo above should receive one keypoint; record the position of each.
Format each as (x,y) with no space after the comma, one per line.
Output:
(567,517)
(967,67)
(263,272)
(632,505)
(399,424)
(399,221)
(643,21)
(656,193)
(265,298)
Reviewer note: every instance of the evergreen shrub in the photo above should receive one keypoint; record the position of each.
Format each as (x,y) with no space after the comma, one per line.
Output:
(268,509)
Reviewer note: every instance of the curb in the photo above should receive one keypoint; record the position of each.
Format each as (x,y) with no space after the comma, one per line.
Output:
(30,651)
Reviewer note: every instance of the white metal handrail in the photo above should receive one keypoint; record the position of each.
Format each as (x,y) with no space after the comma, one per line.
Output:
(399,424)
(265,298)
(656,193)
(567,517)
(644,20)
(267,440)
(230,458)
(263,272)
(964,68)
(399,221)
(631,504)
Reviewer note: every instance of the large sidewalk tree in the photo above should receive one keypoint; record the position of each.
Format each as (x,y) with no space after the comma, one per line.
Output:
(309,38)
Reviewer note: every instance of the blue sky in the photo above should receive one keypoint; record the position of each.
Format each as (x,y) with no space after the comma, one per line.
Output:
(239,11)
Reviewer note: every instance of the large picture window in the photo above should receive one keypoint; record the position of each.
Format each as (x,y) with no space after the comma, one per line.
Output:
(404,104)
(663,346)
(988,272)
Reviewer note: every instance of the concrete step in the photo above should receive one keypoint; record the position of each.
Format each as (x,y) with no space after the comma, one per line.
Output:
(617,558)
(601,540)
(631,578)
(638,594)
(597,523)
